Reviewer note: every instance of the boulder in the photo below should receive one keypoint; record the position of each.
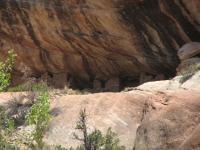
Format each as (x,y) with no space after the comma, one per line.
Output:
(191,83)
(175,125)
(186,65)
(189,50)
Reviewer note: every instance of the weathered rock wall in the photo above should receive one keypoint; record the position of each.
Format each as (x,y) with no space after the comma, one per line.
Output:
(90,39)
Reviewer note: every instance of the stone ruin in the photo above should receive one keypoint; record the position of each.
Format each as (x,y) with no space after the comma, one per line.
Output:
(114,84)
(189,54)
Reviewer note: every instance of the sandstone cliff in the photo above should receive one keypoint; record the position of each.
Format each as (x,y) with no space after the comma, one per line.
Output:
(101,39)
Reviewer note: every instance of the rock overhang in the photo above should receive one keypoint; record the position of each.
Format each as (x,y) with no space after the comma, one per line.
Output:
(98,39)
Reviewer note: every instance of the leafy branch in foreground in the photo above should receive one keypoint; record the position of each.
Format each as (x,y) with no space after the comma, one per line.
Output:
(38,115)
(5,68)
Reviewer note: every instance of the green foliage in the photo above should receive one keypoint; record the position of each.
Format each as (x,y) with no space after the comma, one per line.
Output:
(189,72)
(59,147)
(185,77)
(126,89)
(194,67)
(2,114)
(10,126)
(38,115)
(166,99)
(70,91)
(140,145)
(18,88)
(40,87)
(3,142)
(34,87)
(111,142)
(8,131)
(95,140)
(5,68)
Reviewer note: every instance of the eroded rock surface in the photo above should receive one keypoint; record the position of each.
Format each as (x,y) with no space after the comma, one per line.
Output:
(190,83)
(98,39)
(174,125)
(143,120)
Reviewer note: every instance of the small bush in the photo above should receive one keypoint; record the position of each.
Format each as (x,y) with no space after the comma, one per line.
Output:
(4,144)
(69,91)
(185,77)
(2,113)
(33,87)
(6,134)
(189,72)
(38,115)
(40,87)
(95,140)
(18,88)
(126,89)
(59,147)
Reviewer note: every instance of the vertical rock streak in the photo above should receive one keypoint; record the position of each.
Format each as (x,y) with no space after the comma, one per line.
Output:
(101,39)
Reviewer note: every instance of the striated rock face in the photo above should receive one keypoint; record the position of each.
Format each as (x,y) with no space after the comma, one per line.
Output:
(101,39)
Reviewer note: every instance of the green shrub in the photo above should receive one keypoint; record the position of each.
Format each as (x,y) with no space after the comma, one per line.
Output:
(5,135)
(10,126)
(126,89)
(59,147)
(70,91)
(34,87)
(185,77)
(2,113)
(18,88)
(5,68)
(189,72)
(4,144)
(38,115)
(95,140)
(40,87)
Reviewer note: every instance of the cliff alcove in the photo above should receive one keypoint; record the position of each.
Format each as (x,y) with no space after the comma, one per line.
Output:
(98,40)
